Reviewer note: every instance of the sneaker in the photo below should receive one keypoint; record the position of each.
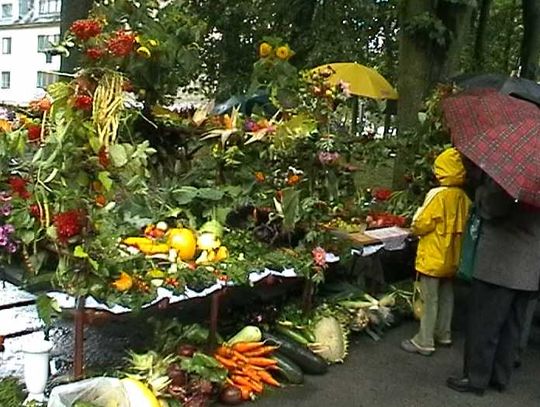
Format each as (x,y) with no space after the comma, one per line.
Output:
(409,346)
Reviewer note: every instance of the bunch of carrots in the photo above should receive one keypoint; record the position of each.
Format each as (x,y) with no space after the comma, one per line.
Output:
(248,364)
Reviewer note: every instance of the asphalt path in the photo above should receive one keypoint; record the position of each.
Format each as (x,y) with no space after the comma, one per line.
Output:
(380,374)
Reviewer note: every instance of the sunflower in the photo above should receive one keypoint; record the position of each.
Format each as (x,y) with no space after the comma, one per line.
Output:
(283,53)
(265,50)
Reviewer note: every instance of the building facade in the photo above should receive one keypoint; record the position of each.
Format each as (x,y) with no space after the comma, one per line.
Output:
(27,30)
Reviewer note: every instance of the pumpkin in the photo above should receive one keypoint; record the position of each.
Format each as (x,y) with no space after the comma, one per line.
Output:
(183,241)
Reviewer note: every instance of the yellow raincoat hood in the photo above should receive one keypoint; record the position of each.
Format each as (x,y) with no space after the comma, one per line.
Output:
(440,221)
(449,169)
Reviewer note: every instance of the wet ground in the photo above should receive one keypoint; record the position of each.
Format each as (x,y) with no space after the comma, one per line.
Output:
(376,374)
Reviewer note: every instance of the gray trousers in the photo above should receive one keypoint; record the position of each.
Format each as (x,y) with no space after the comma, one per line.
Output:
(495,323)
(435,324)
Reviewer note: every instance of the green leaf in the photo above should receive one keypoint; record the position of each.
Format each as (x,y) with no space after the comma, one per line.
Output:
(185,195)
(105,180)
(118,154)
(47,308)
(28,236)
(290,206)
(79,252)
(210,194)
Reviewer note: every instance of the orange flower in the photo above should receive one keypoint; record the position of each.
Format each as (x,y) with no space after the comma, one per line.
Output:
(123,283)
(100,201)
(43,105)
(293,179)
(260,177)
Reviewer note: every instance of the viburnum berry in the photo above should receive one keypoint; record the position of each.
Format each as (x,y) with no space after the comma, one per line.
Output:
(83,102)
(86,29)
(121,44)
(94,53)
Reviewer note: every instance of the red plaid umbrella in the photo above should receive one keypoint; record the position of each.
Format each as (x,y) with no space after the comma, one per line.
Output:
(501,135)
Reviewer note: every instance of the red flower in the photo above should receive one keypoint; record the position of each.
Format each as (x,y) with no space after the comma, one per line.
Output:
(34,132)
(94,53)
(319,256)
(18,186)
(83,102)
(69,224)
(86,29)
(381,194)
(35,211)
(103,156)
(121,44)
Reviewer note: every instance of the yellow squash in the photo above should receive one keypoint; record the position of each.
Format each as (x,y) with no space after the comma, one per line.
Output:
(183,241)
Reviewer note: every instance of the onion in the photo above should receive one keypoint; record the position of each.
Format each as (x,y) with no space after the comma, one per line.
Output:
(186,350)
(230,395)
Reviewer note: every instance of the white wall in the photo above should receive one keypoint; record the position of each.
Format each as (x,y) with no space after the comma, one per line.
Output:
(25,61)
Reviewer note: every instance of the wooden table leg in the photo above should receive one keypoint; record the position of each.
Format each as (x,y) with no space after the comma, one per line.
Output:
(78,357)
(307,296)
(214,318)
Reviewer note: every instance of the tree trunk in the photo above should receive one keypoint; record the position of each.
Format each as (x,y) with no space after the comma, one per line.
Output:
(457,18)
(414,79)
(530,47)
(72,10)
(509,37)
(480,38)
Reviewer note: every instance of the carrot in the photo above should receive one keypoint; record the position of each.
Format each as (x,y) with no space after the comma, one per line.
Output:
(246,392)
(256,386)
(227,363)
(251,373)
(247,346)
(263,362)
(231,354)
(268,379)
(262,351)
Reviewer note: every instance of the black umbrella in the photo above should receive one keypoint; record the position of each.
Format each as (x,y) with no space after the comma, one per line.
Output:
(518,87)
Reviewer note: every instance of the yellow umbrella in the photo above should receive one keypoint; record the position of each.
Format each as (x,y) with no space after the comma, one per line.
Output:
(363,81)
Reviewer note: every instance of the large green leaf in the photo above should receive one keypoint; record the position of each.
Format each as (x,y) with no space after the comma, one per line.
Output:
(291,209)
(118,154)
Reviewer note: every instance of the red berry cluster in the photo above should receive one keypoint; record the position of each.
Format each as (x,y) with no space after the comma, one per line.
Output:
(121,44)
(83,102)
(34,132)
(94,53)
(18,186)
(69,224)
(86,29)
(381,194)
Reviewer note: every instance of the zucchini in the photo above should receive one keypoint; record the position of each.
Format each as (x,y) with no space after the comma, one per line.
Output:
(294,335)
(289,370)
(309,362)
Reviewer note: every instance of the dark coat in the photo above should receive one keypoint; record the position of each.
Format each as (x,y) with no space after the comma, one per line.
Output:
(508,251)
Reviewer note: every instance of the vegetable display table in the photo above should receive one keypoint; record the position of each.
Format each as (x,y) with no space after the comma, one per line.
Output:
(87,310)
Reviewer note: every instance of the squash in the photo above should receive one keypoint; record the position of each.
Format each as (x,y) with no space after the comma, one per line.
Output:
(183,241)
(139,394)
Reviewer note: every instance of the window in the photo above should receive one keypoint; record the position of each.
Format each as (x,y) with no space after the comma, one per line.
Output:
(6,45)
(7,10)
(49,6)
(46,42)
(6,80)
(45,79)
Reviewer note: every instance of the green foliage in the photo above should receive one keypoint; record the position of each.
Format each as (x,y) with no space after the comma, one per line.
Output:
(204,366)
(427,28)
(11,393)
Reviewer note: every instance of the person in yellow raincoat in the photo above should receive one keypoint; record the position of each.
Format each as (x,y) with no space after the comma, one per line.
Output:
(439,223)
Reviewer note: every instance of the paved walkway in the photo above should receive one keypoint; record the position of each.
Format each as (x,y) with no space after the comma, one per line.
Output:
(382,375)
